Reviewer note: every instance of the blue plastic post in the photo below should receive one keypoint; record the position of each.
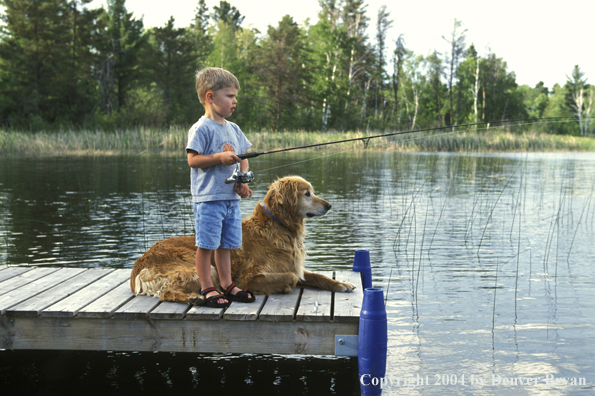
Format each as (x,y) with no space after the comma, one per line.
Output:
(361,264)
(372,343)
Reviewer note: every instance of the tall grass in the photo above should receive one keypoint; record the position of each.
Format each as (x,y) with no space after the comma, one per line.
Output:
(172,142)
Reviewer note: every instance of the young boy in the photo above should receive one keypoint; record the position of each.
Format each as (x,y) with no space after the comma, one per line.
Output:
(213,145)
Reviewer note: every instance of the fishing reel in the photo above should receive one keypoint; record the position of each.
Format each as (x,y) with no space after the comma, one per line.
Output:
(240,177)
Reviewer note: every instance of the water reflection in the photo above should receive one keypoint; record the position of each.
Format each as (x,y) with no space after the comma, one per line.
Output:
(486,260)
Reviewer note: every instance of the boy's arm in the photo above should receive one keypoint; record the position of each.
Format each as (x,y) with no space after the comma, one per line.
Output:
(196,160)
(244,166)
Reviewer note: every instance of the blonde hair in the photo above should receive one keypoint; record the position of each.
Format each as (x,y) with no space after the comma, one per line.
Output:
(213,79)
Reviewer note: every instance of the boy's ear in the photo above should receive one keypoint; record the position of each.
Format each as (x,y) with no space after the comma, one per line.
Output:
(209,96)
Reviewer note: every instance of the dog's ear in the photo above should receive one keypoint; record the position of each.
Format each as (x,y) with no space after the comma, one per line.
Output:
(283,196)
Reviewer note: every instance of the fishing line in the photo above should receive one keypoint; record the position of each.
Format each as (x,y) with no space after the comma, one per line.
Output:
(366,139)
(487,128)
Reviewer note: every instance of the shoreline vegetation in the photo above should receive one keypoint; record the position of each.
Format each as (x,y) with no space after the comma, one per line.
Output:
(172,142)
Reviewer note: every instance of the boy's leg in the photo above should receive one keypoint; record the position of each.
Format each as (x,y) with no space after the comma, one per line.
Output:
(223,263)
(206,214)
(203,269)
(231,238)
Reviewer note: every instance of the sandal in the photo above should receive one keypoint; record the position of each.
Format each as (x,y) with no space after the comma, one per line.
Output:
(213,300)
(241,296)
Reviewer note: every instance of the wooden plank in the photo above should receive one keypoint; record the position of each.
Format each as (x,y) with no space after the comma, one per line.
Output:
(204,313)
(70,306)
(33,306)
(243,311)
(280,307)
(316,304)
(24,278)
(36,287)
(137,308)
(222,336)
(169,310)
(105,306)
(348,305)
(9,272)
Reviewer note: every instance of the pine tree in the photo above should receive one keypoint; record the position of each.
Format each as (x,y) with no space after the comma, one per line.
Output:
(282,74)
(198,34)
(34,61)
(121,41)
(457,48)
(170,67)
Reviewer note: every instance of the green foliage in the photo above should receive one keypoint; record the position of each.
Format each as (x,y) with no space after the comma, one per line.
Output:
(63,65)
(283,78)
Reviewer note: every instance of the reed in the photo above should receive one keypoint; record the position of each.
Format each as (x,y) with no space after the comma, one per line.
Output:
(172,142)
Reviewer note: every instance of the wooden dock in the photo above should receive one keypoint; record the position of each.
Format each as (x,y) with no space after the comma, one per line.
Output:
(94,309)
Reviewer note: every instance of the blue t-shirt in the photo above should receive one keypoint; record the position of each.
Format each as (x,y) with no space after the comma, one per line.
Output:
(207,137)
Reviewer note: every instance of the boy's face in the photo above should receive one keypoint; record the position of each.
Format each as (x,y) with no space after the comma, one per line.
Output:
(223,101)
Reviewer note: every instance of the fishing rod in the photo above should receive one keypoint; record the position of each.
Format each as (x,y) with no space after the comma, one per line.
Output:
(366,139)
(247,176)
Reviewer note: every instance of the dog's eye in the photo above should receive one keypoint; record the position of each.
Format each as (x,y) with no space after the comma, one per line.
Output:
(307,193)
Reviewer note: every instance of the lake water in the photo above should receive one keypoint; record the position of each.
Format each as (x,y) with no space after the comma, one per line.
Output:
(487,262)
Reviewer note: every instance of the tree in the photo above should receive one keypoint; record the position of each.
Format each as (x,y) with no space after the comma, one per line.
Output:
(227,13)
(328,54)
(475,89)
(536,99)
(457,48)
(467,87)
(436,88)
(398,59)
(356,22)
(282,74)
(227,23)
(46,56)
(169,65)
(416,71)
(577,92)
(383,23)
(501,99)
(359,65)
(198,34)
(121,42)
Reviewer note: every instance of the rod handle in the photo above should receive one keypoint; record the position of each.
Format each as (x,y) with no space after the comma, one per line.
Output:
(248,155)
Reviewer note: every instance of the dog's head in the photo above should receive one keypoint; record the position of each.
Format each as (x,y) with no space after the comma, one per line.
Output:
(293,199)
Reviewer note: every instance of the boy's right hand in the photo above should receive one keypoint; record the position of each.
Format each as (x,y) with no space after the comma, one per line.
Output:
(228,158)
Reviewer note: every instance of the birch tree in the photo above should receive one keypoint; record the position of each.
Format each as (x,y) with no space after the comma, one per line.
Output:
(356,23)
(475,90)
(578,89)
(327,36)
(589,111)
(416,71)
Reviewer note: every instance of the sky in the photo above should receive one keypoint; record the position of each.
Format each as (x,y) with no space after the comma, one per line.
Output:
(539,40)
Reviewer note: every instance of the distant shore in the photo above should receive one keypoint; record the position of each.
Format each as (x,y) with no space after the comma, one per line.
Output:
(172,142)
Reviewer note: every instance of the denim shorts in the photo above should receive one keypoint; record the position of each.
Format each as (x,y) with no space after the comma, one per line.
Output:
(218,224)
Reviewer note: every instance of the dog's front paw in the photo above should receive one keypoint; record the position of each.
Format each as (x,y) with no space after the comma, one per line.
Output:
(196,300)
(345,287)
(287,289)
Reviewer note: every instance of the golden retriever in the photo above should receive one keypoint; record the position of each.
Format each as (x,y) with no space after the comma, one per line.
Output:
(271,259)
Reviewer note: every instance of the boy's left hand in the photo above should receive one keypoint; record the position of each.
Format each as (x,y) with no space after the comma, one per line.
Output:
(243,190)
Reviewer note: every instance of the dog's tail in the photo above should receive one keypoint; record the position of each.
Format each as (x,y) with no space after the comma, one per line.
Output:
(147,284)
